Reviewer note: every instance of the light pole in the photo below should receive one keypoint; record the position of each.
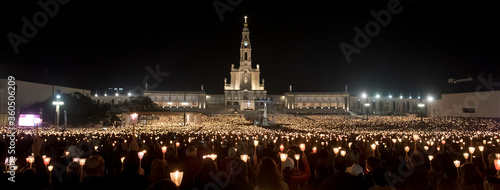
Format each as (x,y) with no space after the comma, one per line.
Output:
(57,102)
(430,99)
(367,105)
(421,106)
(184,105)
(133,117)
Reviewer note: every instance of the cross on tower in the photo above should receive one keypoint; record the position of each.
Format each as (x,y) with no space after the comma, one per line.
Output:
(246,19)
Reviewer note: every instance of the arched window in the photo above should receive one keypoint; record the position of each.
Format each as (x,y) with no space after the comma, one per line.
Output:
(246,56)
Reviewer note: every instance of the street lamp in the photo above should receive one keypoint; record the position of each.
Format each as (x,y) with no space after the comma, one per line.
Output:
(421,106)
(367,105)
(57,102)
(133,117)
(184,104)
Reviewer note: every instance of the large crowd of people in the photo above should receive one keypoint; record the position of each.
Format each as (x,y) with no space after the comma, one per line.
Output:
(228,152)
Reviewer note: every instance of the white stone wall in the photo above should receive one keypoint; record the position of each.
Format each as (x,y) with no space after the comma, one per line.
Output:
(485,104)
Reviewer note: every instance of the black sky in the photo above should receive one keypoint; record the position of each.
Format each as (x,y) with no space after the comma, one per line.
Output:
(100,44)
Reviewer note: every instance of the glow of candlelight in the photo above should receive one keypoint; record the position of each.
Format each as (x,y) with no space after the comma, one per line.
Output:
(297,156)
(164,149)
(336,150)
(283,157)
(244,157)
(457,163)
(82,161)
(471,150)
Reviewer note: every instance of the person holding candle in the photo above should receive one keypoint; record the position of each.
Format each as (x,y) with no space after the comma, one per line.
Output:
(268,176)
(191,165)
(470,177)
(353,155)
(224,164)
(73,177)
(238,176)
(93,172)
(341,179)
(159,171)
(207,176)
(436,173)
(132,177)
(370,163)
(293,176)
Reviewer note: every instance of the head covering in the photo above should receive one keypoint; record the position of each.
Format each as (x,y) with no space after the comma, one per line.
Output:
(288,163)
(231,153)
(355,169)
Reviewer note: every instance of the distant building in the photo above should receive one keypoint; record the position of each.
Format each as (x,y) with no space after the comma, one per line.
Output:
(485,104)
(29,93)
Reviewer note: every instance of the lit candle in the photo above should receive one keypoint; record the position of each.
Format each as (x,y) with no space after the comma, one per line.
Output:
(336,150)
(466,156)
(471,150)
(342,152)
(50,168)
(481,148)
(244,157)
(314,150)
(426,148)
(46,161)
(177,144)
(213,156)
(373,147)
(67,153)
(457,163)
(82,161)
(407,149)
(283,157)
(497,164)
(140,154)
(302,147)
(282,148)
(176,177)
(431,157)
(77,160)
(497,155)
(297,156)
(255,143)
(164,149)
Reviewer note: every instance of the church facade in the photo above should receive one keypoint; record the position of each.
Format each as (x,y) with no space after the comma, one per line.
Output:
(245,90)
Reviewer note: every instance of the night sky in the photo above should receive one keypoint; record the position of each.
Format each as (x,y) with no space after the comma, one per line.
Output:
(99,44)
